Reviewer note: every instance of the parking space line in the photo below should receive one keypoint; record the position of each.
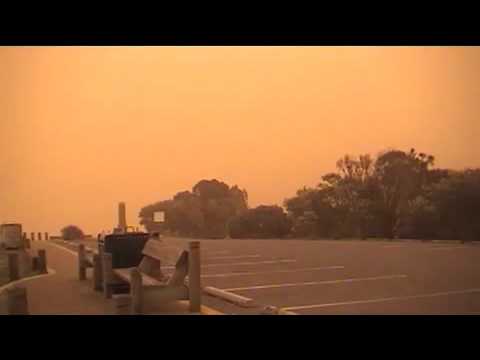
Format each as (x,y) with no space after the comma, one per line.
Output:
(220,252)
(310,283)
(282,261)
(272,271)
(445,293)
(233,257)
(447,248)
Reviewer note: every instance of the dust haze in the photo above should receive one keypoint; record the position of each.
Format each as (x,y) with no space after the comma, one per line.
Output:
(86,127)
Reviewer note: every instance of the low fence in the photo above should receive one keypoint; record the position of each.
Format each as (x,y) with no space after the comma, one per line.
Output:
(21,264)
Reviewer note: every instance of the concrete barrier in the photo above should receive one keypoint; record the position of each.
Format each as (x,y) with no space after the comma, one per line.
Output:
(228,296)
(17,303)
(42,261)
(13,266)
(35,263)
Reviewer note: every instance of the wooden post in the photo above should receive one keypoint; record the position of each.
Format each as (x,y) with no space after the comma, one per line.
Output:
(13,266)
(136,291)
(97,272)
(26,243)
(194,286)
(46,236)
(32,236)
(39,236)
(123,304)
(17,301)
(100,251)
(35,263)
(107,275)
(82,270)
(42,261)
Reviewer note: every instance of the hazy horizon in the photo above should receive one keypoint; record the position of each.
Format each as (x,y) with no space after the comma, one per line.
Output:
(84,128)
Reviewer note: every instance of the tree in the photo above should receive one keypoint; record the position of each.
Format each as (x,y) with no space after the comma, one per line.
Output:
(219,203)
(186,217)
(457,202)
(346,197)
(146,215)
(239,198)
(300,210)
(260,222)
(420,220)
(400,178)
(203,212)
(72,232)
(364,197)
(211,189)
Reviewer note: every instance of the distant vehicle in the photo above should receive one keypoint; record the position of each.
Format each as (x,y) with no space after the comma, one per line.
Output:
(11,236)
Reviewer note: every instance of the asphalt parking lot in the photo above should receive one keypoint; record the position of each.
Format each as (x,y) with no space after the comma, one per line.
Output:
(343,277)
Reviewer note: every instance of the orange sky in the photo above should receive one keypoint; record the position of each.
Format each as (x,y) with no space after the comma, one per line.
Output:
(85,127)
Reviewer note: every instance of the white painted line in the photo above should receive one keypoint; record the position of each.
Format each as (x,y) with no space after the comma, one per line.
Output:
(271,272)
(16,282)
(445,293)
(281,261)
(271,286)
(446,241)
(243,263)
(223,252)
(64,249)
(447,248)
(286,312)
(233,257)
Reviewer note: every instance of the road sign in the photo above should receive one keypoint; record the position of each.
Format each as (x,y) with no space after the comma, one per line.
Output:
(159,216)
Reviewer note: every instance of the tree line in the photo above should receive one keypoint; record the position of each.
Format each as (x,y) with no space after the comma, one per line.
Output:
(396,194)
(203,212)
